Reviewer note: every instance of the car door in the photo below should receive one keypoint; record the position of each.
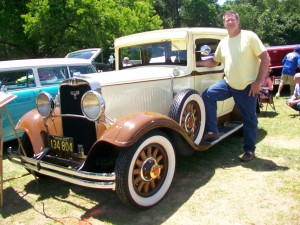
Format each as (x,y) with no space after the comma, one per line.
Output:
(22,84)
(205,76)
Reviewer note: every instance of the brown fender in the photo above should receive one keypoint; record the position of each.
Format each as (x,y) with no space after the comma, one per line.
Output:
(32,124)
(129,129)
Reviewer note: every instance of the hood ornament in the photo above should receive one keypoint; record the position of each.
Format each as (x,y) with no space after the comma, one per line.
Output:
(75,93)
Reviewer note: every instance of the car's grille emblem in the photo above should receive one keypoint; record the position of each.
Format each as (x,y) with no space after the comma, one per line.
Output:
(75,93)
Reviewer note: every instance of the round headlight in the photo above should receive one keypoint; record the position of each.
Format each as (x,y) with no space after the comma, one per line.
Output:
(92,105)
(45,104)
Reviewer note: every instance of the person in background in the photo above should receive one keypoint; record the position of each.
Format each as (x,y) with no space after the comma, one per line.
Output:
(294,101)
(111,62)
(265,89)
(267,83)
(246,63)
(290,63)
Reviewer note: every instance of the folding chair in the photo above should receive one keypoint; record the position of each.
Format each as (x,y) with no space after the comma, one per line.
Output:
(265,97)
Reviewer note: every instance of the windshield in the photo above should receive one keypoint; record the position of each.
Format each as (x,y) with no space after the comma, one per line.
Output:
(84,54)
(163,53)
(82,70)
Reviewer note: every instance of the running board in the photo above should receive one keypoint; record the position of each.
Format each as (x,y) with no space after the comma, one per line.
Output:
(225,130)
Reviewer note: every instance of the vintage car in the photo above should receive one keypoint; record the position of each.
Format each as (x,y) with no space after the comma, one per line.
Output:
(26,78)
(122,130)
(95,55)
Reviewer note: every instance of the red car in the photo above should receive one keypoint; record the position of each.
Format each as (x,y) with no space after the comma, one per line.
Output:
(277,53)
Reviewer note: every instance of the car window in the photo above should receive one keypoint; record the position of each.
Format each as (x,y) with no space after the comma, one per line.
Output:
(212,43)
(165,52)
(52,75)
(84,54)
(19,79)
(82,69)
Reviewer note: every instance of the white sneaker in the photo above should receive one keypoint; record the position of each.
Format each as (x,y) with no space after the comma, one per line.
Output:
(277,95)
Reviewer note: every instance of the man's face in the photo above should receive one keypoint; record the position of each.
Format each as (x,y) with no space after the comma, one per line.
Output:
(231,22)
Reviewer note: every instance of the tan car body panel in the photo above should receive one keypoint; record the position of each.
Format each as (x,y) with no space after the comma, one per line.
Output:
(127,130)
(123,133)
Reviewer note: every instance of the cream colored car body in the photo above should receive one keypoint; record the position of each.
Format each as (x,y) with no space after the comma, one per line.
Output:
(153,113)
(152,87)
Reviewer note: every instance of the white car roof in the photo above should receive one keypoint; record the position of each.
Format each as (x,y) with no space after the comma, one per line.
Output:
(166,34)
(32,63)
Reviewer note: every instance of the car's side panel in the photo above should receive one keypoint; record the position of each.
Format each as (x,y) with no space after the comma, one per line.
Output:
(144,96)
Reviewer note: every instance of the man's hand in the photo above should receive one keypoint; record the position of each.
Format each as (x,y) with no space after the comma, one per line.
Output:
(255,88)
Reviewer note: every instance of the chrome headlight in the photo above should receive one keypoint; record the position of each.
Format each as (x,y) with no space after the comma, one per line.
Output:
(45,104)
(92,105)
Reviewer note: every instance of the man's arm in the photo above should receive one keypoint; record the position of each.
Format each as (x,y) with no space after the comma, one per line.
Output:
(262,73)
(207,63)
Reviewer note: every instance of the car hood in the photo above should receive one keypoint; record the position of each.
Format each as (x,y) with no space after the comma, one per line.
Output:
(133,75)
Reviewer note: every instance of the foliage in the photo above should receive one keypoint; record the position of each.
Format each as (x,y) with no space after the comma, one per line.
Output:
(55,27)
(275,21)
(12,38)
(202,13)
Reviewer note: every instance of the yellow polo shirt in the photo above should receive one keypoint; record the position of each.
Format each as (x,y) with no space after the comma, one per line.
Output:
(239,56)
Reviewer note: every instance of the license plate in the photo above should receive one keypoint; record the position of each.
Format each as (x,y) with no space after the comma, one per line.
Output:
(277,80)
(61,143)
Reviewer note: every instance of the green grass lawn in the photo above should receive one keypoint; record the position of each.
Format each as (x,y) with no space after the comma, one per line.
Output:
(211,187)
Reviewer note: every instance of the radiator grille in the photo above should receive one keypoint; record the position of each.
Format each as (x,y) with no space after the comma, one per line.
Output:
(82,131)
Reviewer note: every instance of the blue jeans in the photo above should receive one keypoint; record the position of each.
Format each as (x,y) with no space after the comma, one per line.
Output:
(245,104)
(295,106)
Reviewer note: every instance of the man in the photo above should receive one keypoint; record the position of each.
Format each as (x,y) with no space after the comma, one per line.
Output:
(294,101)
(246,63)
(290,63)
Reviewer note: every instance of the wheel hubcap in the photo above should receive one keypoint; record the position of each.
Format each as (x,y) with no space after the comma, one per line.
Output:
(191,119)
(189,123)
(150,169)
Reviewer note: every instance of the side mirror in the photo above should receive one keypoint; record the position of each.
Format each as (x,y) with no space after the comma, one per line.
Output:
(205,50)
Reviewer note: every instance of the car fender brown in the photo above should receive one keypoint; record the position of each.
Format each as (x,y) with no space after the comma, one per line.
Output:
(127,130)
(32,124)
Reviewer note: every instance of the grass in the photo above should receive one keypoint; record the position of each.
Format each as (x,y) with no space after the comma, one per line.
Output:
(211,187)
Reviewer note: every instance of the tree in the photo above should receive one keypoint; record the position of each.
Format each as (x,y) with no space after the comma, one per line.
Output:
(169,11)
(55,27)
(201,13)
(275,21)
(13,41)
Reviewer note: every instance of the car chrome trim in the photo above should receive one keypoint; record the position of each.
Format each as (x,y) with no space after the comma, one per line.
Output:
(83,178)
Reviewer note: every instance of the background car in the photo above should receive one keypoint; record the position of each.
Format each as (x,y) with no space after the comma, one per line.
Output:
(94,55)
(26,78)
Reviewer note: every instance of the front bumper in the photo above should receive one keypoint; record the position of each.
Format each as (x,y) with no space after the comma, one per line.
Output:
(78,177)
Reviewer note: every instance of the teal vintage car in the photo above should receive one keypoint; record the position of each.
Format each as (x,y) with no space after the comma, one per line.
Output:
(26,78)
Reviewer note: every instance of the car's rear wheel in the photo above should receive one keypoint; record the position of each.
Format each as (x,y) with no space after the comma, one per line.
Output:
(144,172)
(188,110)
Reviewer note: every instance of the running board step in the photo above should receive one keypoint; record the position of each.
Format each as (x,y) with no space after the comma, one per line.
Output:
(225,130)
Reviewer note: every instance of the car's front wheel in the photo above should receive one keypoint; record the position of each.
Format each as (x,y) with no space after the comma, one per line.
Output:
(144,172)
(28,152)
